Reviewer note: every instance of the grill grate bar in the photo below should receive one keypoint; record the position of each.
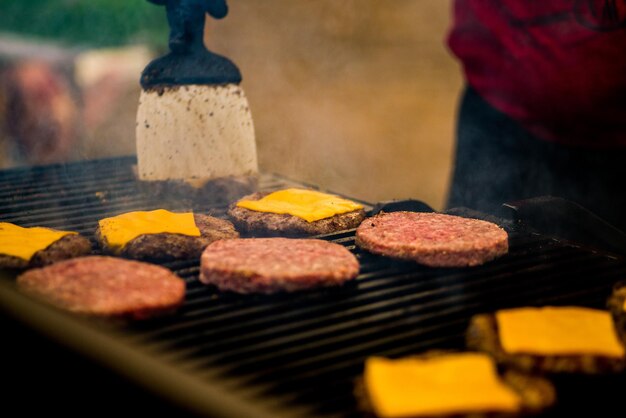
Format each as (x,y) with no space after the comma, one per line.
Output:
(400,283)
(313,379)
(43,202)
(34,183)
(29,187)
(226,337)
(303,350)
(295,343)
(412,341)
(91,210)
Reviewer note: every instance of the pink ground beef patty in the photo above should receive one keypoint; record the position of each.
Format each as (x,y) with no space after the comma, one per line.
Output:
(270,265)
(432,239)
(106,287)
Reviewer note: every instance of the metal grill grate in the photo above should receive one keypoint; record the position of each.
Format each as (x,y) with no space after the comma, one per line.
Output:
(302,351)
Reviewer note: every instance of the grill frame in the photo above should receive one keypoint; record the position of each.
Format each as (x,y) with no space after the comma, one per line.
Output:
(230,342)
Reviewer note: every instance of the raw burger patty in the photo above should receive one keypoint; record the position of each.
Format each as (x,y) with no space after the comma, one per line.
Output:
(269,265)
(106,287)
(432,239)
(176,246)
(279,224)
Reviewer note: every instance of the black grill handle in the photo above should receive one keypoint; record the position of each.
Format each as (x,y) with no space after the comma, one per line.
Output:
(189,62)
(565,219)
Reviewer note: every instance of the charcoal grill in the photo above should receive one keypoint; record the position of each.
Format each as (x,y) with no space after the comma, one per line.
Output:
(284,355)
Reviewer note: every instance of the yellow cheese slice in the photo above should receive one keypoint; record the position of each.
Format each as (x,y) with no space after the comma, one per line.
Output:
(120,230)
(306,204)
(23,243)
(558,331)
(449,384)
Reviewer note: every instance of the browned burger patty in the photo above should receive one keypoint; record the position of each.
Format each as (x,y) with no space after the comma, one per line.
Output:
(270,265)
(69,246)
(275,224)
(432,239)
(616,306)
(175,246)
(537,393)
(106,287)
(482,335)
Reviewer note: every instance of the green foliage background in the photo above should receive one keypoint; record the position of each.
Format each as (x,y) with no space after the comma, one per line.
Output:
(90,23)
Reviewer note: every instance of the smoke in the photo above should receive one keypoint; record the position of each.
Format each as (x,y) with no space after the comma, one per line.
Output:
(356,96)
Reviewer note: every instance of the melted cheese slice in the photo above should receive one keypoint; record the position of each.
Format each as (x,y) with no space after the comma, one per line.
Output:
(23,243)
(120,230)
(558,331)
(306,204)
(454,383)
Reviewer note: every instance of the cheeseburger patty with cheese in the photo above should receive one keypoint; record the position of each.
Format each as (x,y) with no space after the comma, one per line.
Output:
(551,339)
(295,212)
(449,384)
(35,247)
(161,234)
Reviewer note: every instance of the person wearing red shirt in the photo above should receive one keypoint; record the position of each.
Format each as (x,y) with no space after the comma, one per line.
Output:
(544,111)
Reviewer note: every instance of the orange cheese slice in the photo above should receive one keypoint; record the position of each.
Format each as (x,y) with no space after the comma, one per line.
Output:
(558,331)
(23,243)
(120,230)
(449,384)
(309,205)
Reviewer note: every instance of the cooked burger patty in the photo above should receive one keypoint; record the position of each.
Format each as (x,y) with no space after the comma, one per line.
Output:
(275,224)
(106,287)
(482,335)
(432,239)
(167,246)
(69,246)
(616,306)
(269,265)
(537,393)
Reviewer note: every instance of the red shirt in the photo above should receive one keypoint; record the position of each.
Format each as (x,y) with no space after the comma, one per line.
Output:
(558,67)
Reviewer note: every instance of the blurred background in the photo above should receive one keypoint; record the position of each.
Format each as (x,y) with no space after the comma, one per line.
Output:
(356,96)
